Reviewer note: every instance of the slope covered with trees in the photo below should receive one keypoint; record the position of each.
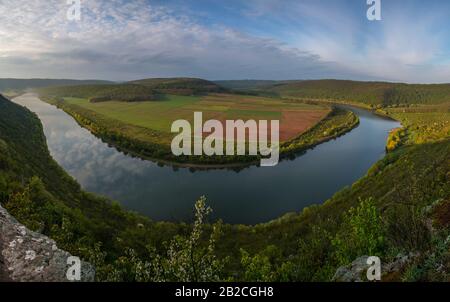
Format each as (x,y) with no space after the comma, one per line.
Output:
(380,94)
(181,86)
(101,93)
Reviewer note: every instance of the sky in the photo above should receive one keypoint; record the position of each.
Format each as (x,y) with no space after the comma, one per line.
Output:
(226,39)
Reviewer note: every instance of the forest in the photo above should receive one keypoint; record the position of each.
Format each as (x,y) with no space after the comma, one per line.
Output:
(373,94)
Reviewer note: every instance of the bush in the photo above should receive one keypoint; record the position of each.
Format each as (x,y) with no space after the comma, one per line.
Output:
(362,233)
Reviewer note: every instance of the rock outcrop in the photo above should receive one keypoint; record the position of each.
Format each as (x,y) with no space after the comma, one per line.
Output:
(27,256)
(357,270)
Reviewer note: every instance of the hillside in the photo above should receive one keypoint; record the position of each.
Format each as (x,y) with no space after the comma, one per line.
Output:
(41,195)
(369,93)
(245,84)
(101,93)
(181,86)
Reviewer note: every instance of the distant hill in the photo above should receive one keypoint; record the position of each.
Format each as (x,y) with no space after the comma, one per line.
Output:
(102,93)
(24,84)
(180,86)
(245,84)
(134,91)
(371,93)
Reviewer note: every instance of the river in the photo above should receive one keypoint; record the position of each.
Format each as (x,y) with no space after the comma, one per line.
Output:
(253,195)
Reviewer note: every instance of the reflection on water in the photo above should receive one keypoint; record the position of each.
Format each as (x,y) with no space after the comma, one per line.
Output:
(251,196)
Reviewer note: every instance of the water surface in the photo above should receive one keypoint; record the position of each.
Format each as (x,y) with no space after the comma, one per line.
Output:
(253,195)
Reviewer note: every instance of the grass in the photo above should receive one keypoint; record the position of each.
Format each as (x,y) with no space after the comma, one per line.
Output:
(153,115)
(160,115)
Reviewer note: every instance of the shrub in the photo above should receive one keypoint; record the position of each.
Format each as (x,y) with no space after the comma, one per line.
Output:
(362,233)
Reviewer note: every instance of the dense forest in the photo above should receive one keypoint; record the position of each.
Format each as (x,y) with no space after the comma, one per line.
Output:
(400,207)
(181,86)
(376,94)
(102,93)
(245,84)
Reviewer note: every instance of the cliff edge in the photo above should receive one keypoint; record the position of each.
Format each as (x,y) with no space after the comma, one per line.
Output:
(27,256)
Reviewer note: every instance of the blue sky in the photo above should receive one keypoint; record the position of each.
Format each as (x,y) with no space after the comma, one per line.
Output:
(228,39)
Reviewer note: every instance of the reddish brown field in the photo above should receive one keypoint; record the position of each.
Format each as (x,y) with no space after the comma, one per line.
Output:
(294,123)
(294,118)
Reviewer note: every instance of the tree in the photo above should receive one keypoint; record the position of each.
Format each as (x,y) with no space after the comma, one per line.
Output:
(362,233)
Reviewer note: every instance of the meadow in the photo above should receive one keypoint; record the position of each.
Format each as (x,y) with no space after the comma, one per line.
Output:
(295,118)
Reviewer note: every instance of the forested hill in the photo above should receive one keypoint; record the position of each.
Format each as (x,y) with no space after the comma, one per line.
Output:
(135,91)
(245,84)
(101,93)
(182,86)
(24,84)
(371,93)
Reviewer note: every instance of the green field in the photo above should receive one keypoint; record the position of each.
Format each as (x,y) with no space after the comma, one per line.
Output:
(161,114)
(154,115)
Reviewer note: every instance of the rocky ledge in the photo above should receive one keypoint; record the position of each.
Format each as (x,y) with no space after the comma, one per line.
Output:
(357,270)
(27,256)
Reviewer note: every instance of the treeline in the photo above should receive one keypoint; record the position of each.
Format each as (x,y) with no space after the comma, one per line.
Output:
(102,93)
(181,86)
(136,91)
(376,94)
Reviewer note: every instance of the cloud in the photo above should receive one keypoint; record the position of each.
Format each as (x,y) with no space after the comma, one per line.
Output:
(123,40)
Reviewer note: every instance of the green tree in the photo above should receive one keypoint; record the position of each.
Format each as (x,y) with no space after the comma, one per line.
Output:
(362,233)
